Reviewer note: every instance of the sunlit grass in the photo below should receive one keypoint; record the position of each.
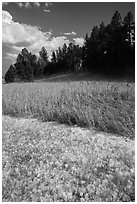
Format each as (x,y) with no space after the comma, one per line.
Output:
(49,162)
(106,106)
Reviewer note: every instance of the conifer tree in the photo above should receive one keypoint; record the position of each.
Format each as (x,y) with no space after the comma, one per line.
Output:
(23,65)
(10,74)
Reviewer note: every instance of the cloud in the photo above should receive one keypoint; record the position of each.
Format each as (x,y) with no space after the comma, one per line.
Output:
(23,4)
(37,4)
(46,10)
(58,42)
(15,32)
(6,17)
(47,4)
(27,5)
(79,41)
(16,36)
(72,33)
(20,4)
(9,56)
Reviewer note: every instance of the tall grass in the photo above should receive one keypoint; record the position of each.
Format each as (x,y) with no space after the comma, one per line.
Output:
(106,106)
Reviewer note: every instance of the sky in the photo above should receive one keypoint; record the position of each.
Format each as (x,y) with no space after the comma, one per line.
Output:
(49,24)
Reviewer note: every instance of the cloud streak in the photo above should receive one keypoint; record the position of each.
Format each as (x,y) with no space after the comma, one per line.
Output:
(46,10)
(46,7)
(72,33)
(47,4)
(23,4)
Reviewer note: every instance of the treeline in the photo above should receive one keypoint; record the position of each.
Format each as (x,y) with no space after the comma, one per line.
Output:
(108,50)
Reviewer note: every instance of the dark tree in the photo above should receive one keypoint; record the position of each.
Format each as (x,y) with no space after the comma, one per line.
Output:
(38,68)
(129,28)
(129,42)
(44,55)
(10,74)
(24,65)
(85,52)
(116,21)
(53,59)
(44,59)
(77,60)
(60,60)
(91,49)
(52,65)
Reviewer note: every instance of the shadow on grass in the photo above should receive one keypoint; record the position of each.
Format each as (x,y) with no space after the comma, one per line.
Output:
(84,77)
(77,77)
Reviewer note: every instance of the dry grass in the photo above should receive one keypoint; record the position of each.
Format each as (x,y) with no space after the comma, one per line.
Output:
(52,162)
(106,106)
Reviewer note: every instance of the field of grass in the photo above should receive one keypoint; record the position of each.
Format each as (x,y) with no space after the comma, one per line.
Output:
(48,162)
(105,106)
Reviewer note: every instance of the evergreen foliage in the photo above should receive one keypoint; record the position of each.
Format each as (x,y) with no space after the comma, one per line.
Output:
(25,63)
(107,50)
(9,76)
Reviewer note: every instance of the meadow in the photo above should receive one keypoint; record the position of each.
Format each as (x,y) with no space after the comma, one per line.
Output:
(105,106)
(49,162)
(68,141)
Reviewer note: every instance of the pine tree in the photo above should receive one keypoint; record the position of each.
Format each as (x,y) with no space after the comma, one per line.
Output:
(44,55)
(44,59)
(129,42)
(92,50)
(53,59)
(77,57)
(116,21)
(23,65)
(10,74)
(129,28)
(114,45)
(84,52)
(64,50)
(70,58)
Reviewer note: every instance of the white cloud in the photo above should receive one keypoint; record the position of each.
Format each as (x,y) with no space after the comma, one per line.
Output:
(47,4)
(79,41)
(58,42)
(72,33)
(16,36)
(37,4)
(15,33)
(27,5)
(30,5)
(46,10)
(20,4)
(6,17)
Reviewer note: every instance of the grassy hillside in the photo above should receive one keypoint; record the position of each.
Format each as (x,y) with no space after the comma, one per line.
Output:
(106,106)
